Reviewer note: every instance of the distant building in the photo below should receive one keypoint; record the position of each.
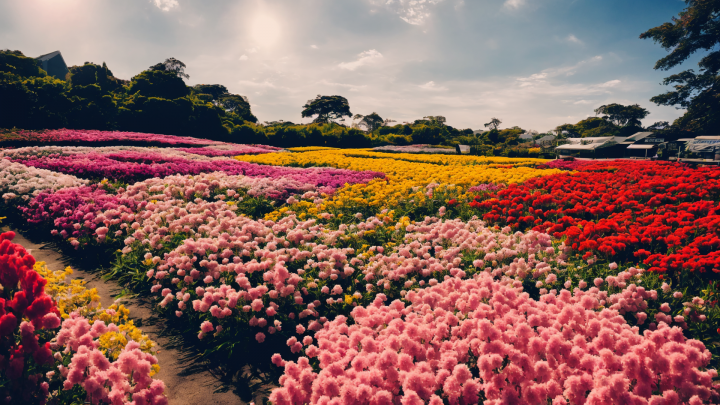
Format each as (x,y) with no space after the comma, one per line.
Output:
(54,64)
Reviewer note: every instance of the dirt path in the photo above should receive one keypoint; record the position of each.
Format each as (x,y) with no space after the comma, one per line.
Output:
(187,381)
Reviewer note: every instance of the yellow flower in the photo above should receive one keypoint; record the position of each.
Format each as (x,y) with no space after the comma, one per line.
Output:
(348,299)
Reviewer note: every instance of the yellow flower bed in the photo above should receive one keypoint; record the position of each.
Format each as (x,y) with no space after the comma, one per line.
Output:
(406,180)
(404,174)
(461,160)
(309,148)
(75,297)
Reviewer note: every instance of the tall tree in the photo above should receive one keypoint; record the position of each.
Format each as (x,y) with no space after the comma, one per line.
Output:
(695,29)
(172,65)
(215,90)
(327,108)
(494,123)
(622,115)
(371,121)
(237,104)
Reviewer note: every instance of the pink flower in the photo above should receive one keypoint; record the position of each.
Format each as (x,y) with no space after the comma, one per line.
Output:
(207,327)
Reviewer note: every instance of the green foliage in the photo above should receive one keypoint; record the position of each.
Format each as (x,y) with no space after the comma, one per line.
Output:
(494,123)
(327,108)
(18,64)
(371,122)
(160,84)
(694,30)
(171,65)
(90,73)
(621,115)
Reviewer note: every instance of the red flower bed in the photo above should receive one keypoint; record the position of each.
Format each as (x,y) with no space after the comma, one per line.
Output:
(665,215)
(26,313)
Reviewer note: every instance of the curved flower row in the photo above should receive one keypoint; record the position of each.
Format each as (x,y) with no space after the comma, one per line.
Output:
(663,214)
(413,186)
(133,164)
(20,183)
(92,136)
(73,212)
(465,341)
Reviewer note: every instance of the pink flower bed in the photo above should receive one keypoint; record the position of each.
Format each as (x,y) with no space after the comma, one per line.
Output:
(133,164)
(464,341)
(93,136)
(74,211)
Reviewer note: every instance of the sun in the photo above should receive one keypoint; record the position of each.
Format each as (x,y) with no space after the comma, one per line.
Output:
(265,28)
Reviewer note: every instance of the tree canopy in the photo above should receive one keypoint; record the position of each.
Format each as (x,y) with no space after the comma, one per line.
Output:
(621,115)
(172,65)
(371,122)
(327,108)
(695,29)
(494,123)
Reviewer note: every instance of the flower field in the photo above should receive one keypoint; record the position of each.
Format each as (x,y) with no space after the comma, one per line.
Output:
(346,276)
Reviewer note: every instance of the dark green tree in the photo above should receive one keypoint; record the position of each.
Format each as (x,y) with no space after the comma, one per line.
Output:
(16,63)
(238,105)
(622,115)
(157,83)
(371,122)
(695,29)
(327,108)
(215,90)
(171,65)
(90,73)
(494,123)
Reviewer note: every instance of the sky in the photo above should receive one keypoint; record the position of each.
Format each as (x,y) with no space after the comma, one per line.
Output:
(531,63)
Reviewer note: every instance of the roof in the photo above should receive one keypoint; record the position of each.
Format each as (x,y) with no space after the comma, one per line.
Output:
(638,136)
(703,144)
(48,56)
(685,139)
(588,143)
(641,146)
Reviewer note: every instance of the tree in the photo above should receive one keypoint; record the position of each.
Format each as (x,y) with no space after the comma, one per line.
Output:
(694,30)
(234,103)
(565,131)
(215,90)
(371,121)
(621,115)
(494,123)
(327,108)
(158,83)
(436,119)
(16,63)
(90,73)
(172,65)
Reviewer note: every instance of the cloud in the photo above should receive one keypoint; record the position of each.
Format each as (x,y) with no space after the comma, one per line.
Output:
(514,4)
(559,71)
(580,102)
(244,57)
(364,58)
(432,86)
(611,83)
(351,87)
(165,5)
(411,11)
(314,46)
(572,38)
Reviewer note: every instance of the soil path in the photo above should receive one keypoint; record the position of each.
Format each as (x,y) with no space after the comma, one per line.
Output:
(187,381)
